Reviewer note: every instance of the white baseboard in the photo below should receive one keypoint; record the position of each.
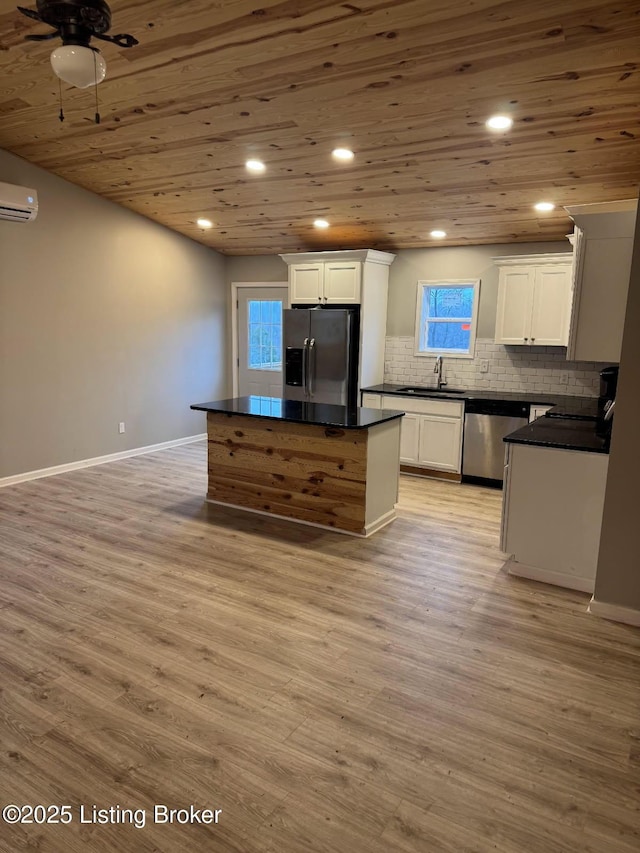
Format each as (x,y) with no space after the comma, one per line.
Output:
(381,522)
(615,612)
(97,460)
(545,576)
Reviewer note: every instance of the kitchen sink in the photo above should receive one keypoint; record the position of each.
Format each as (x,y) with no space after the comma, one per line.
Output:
(411,389)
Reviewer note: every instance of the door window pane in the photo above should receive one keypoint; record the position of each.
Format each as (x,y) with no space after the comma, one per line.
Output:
(265,334)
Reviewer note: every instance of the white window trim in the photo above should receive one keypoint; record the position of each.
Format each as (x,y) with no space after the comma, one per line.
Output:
(447,282)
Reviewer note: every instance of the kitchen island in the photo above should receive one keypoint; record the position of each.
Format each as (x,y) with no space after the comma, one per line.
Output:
(324,465)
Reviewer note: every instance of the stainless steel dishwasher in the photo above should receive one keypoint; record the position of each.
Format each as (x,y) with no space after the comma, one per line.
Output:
(486,422)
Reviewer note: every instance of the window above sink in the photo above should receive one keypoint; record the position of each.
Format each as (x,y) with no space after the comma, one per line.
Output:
(446,318)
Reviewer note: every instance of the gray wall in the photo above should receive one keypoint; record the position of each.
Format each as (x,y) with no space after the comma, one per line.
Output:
(618,576)
(104,317)
(443,262)
(256,268)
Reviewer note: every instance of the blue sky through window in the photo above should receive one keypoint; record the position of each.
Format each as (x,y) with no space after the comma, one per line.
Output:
(265,334)
(447,318)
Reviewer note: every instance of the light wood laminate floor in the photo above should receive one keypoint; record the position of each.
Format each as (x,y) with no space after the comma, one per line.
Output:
(330,695)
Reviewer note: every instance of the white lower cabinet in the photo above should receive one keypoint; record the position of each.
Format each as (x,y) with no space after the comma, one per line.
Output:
(431,432)
(552,507)
(372,401)
(440,442)
(409,438)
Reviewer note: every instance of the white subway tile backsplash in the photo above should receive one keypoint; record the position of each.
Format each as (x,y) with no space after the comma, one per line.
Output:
(510,368)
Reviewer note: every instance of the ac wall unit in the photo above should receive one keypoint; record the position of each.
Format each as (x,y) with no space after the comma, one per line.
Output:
(18,204)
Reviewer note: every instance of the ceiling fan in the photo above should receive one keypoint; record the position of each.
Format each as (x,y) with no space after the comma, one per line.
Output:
(76,22)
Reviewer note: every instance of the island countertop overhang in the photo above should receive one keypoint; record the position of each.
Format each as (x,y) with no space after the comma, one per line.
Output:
(296,411)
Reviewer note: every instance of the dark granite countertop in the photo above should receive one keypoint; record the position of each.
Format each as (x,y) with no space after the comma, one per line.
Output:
(511,396)
(570,424)
(564,433)
(295,411)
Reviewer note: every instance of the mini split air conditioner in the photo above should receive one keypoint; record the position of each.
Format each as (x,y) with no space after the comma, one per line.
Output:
(18,204)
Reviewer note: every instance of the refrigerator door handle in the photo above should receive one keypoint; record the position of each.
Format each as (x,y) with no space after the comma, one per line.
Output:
(305,366)
(312,366)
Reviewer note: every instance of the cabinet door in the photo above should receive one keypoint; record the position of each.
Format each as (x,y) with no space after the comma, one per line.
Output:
(409,430)
(440,443)
(515,303)
(306,283)
(342,282)
(551,301)
(372,401)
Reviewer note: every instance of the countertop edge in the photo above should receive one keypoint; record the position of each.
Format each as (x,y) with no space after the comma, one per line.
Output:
(380,416)
(531,397)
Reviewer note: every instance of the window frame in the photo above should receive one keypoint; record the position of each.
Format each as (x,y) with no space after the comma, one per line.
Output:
(423,284)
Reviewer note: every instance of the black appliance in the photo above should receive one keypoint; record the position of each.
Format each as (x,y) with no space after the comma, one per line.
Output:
(608,388)
(321,355)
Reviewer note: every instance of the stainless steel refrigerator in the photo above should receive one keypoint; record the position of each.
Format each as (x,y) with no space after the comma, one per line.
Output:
(321,355)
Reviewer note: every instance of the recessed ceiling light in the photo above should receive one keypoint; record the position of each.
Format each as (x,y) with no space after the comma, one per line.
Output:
(544,206)
(343,154)
(499,123)
(438,233)
(204,223)
(255,166)
(321,223)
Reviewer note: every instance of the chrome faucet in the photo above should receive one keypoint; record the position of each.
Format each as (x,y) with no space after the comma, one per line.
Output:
(438,369)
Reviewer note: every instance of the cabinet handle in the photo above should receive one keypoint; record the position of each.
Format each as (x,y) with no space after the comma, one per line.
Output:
(319,298)
(526,339)
(532,340)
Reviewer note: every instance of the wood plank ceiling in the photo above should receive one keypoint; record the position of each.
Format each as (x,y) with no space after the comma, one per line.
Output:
(407,84)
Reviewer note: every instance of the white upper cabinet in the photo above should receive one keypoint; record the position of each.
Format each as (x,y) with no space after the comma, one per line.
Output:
(603,246)
(515,301)
(342,282)
(333,283)
(306,283)
(534,297)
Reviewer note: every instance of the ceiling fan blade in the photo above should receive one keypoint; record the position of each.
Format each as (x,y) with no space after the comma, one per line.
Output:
(30,13)
(122,39)
(44,37)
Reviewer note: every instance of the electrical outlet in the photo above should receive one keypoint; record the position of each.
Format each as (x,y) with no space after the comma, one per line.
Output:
(121,427)
(564,378)
(484,365)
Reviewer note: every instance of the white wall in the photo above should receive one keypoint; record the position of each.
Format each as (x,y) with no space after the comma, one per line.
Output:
(105,317)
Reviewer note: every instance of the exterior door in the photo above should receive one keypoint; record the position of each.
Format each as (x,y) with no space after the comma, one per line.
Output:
(260,340)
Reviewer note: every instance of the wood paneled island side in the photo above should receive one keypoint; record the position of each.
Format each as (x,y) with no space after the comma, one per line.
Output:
(324,465)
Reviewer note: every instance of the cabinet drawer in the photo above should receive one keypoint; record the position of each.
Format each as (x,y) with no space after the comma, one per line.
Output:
(371,401)
(425,406)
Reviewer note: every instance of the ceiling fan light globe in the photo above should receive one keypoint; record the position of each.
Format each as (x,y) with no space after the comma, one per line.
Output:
(79,66)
